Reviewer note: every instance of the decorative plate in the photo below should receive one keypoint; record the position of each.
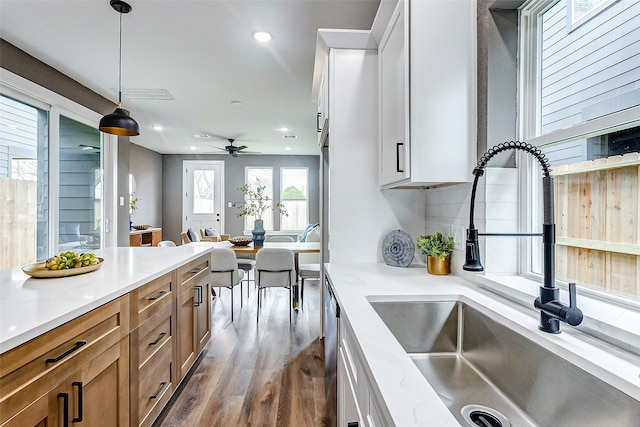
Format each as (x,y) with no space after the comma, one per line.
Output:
(39,270)
(241,240)
(141,227)
(398,248)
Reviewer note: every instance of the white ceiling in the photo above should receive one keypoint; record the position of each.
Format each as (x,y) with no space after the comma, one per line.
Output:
(202,52)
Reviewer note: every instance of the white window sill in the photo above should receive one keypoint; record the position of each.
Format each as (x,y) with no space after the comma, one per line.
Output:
(610,322)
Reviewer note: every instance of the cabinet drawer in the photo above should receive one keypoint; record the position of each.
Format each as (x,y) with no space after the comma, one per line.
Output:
(156,386)
(151,298)
(35,367)
(194,272)
(153,335)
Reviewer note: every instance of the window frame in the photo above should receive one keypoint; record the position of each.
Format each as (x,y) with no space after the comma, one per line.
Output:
(30,93)
(248,227)
(281,200)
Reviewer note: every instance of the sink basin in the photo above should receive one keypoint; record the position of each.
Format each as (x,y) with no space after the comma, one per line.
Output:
(485,372)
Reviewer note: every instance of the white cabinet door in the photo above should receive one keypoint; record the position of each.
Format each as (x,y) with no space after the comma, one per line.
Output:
(395,144)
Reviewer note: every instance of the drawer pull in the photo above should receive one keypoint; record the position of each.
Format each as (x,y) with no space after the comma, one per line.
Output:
(398,144)
(66,353)
(197,270)
(155,297)
(78,384)
(162,335)
(198,296)
(65,410)
(163,384)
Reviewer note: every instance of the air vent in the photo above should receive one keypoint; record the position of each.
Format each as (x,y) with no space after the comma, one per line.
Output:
(289,136)
(201,136)
(147,94)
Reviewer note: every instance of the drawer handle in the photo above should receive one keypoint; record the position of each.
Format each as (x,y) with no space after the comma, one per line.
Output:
(78,384)
(162,335)
(66,353)
(398,144)
(163,384)
(197,270)
(155,297)
(65,410)
(198,296)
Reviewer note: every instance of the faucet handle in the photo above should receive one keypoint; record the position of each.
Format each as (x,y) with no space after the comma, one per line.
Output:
(572,314)
(572,294)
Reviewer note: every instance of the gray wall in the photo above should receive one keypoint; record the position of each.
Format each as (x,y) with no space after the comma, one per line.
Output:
(234,169)
(146,167)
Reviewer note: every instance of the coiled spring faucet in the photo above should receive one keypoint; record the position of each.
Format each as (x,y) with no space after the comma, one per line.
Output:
(552,311)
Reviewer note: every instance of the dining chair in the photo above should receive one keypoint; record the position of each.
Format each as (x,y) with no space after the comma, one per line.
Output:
(225,272)
(275,267)
(280,239)
(307,271)
(166,243)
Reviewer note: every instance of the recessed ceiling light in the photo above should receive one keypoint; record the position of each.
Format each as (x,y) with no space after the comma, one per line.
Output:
(192,147)
(283,129)
(287,148)
(289,136)
(236,103)
(157,127)
(262,36)
(201,136)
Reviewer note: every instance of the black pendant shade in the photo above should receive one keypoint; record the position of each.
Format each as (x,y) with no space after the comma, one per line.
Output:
(120,122)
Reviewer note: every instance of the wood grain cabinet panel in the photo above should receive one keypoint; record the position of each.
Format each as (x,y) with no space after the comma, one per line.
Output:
(193,311)
(91,351)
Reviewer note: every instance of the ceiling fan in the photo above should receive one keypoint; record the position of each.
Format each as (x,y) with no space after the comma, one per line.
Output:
(235,150)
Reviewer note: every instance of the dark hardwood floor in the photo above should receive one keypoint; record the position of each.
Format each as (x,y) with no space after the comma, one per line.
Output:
(269,373)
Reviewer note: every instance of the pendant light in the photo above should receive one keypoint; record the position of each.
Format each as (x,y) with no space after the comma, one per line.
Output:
(119,122)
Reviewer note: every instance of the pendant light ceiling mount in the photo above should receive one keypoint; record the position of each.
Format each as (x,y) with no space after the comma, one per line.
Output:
(119,122)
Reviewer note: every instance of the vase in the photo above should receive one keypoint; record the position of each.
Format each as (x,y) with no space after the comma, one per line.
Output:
(438,266)
(130,223)
(258,233)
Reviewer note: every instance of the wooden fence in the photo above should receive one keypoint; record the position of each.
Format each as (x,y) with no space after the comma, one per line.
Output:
(597,224)
(18,216)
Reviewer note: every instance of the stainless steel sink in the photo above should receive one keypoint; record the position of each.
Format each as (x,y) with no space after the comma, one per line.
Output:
(470,359)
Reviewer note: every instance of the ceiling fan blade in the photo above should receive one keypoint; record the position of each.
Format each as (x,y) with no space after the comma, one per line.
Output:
(249,152)
(242,147)
(217,148)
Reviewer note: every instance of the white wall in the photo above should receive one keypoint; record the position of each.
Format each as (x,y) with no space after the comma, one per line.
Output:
(496,211)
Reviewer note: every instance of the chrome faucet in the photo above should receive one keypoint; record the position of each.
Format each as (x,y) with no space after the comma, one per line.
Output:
(551,309)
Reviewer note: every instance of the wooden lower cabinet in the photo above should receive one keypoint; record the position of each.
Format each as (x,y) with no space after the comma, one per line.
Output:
(85,378)
(117,365)
(193,312)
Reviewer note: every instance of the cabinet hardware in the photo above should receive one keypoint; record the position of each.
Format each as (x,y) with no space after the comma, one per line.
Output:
(198,296)
(197,270)
(155,297)
(66,353)
(65,408)
(398,144)
(79,418)
(318,122)
(162,335)
(163,384)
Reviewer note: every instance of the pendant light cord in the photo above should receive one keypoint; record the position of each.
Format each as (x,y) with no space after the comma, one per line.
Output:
(120,64)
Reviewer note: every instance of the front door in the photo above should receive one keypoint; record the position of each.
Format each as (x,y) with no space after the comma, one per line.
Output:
(203,188)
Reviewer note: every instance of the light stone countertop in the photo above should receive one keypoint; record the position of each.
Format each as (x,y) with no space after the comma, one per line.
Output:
(30,307)
(409,398)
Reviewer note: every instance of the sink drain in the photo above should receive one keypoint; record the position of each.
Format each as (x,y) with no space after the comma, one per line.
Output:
(478,415)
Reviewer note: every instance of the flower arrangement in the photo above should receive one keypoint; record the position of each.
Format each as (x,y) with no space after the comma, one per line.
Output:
(256,201)
(133,202)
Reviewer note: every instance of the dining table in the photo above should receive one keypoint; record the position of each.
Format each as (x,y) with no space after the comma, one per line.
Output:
(295,247)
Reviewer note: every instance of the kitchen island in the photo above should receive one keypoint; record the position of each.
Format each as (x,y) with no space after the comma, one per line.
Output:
(108,347)
(381,385)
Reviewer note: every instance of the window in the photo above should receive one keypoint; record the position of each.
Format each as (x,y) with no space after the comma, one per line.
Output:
(51,171)
(294,195)
(580,11)
(582,108)
(265,176)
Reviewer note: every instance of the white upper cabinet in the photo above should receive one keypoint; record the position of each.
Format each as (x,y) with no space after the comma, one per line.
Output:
(427,93)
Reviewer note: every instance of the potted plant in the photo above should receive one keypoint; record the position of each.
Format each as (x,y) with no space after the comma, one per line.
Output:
(133,205)
(255,204)
(438,249)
